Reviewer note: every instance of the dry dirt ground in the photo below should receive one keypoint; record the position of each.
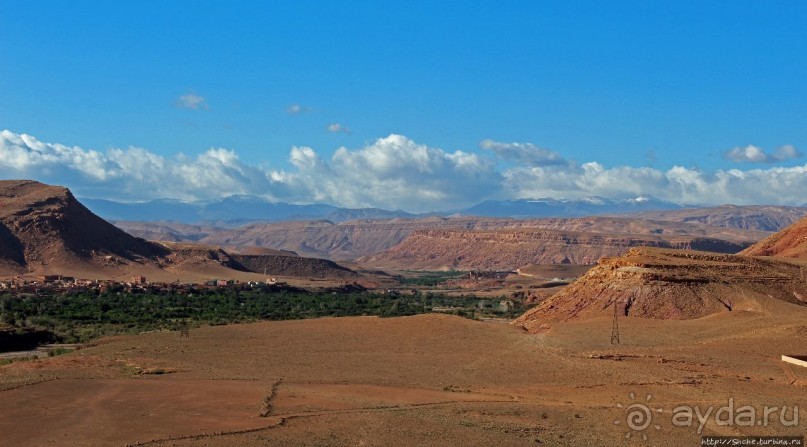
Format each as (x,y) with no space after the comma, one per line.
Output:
(423,380)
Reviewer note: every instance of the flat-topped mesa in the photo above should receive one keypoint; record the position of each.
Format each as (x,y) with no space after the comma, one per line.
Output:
(674,284)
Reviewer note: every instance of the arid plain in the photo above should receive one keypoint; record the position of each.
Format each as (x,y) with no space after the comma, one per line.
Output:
(429,380)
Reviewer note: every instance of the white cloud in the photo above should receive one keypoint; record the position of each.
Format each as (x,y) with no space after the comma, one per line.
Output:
(294,109)
(192,101)
(754,154)
(525,153)
(336,128)
(414,175)
(129,174)
(391,172)
(678,184)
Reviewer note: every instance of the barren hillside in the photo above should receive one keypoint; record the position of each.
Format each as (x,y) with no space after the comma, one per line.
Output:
(42,225)
(788,243)
(674,284)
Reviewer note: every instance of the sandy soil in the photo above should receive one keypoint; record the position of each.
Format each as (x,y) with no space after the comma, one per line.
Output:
(424,380)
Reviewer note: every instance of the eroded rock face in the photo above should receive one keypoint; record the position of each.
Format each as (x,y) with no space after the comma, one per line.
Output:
(673,284)
(512,248)
(788,243)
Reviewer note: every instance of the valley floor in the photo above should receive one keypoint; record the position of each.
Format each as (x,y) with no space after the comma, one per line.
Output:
(422,380)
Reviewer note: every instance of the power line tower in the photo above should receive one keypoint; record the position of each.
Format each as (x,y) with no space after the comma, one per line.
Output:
(185,330)
(185,324)
(615,327)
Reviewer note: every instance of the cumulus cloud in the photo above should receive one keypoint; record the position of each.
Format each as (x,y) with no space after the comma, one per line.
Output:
(398,171)
(754,154)
(192,101)
(391,172)
(677,184)
(129,174)
(337,128)
(524,153)
(295,109)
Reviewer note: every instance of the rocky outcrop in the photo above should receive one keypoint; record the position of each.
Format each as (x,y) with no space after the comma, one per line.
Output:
(673,284)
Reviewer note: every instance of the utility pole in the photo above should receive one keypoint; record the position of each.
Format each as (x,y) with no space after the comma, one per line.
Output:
(615,328)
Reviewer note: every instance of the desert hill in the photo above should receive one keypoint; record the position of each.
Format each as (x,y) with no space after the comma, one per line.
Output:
(43,225)
(210,259)
(284,265)
(788,243)
(45,230)
(509,249)
(675,284)
(260,251)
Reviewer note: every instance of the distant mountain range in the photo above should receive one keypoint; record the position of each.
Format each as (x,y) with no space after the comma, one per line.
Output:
(233,210)
(589,206)
(241,209)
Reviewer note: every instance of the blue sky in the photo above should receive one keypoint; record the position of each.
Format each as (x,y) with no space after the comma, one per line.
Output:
(708,87)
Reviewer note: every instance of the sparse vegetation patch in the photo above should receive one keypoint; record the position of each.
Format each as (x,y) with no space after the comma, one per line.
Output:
(79,317)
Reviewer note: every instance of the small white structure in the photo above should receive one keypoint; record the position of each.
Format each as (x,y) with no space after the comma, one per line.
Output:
(799,360)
